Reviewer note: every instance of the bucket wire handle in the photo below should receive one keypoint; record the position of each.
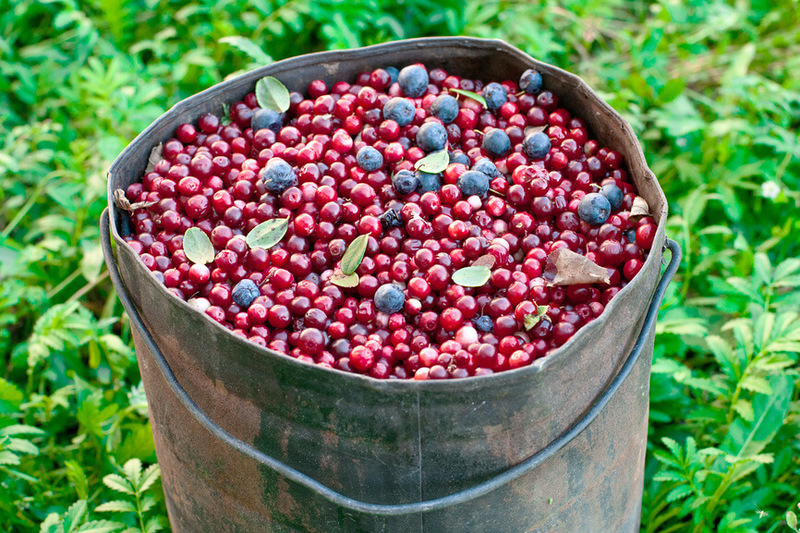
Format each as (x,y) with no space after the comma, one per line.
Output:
(375,508)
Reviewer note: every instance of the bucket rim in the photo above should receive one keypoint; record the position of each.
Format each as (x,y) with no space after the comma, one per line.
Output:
(625,131)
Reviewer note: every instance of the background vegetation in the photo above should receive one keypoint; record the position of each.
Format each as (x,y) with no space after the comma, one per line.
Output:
(712,89)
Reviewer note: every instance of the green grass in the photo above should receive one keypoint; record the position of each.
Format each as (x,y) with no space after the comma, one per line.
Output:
(711,88)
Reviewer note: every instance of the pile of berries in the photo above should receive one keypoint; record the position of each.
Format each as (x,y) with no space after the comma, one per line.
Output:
(385,189)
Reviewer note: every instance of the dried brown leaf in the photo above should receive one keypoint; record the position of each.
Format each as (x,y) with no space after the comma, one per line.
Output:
(121,201)
(485,260)
(640,209)
(155,157)
(565,267)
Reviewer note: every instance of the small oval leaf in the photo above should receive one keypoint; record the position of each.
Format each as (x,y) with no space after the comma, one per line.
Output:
(433,163)
(469,94)
(354,254)
(272,94)
(347,281)
(532,319)
(197,246)
(472,276)
(267,234)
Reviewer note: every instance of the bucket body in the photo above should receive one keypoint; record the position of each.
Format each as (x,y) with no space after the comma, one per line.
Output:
(394,442)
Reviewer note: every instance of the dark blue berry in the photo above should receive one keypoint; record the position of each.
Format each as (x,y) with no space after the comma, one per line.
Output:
(405,182)
(369,159)
(486,166)
(530,81)
(594,209)
(244,293)
(445,108)
(496,142)
(278,175)
(495,95)
(393,72)
(613,194)
(389,298)
(266,119)
(428,182)
(431,136)
(536,145)
(473,182)
(390,219)
(457,156)
(413,80)
(401,110)
(483,323)
(630,234)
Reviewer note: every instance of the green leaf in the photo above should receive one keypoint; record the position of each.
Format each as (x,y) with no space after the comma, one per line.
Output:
(51,524)
(472,276)
(248,47)
(679,492)
(153,525)
(267,234)
(149,477)
(197,246)
(18,429)
(133,470)
(354,254)
(78,478)
(469,94)
(344,280)
(116,506)
(746,438)
(118,483)
(434,162)
(10,397)
(100,526)
(532,319)
(791,520)
(671,90)
(272,94)
(74,515)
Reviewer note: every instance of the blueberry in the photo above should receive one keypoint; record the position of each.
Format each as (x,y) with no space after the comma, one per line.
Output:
(457,156)
(401,110)
(486,166)
(278,175)
(428,182)
(473,182)
(369,159)
(393,72)
(536,145)
(613,194)
(390,219)
(495,95)
(389,298)
(530,81)
(483,323)
(244,293)
(266,119)
(496,142)
(445,108)
(405,182)
(431,136)
(413,80)
(594,209)
(630,234)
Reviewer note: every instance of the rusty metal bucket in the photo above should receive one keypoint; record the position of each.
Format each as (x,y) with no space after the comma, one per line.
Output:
(252,440)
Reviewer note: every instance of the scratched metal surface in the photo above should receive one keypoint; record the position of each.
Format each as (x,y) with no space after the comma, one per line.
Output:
(391,441)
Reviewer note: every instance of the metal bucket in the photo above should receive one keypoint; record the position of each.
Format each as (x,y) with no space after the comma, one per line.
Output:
(252,440)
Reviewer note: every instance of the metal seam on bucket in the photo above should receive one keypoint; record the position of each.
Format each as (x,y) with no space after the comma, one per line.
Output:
(389,509)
